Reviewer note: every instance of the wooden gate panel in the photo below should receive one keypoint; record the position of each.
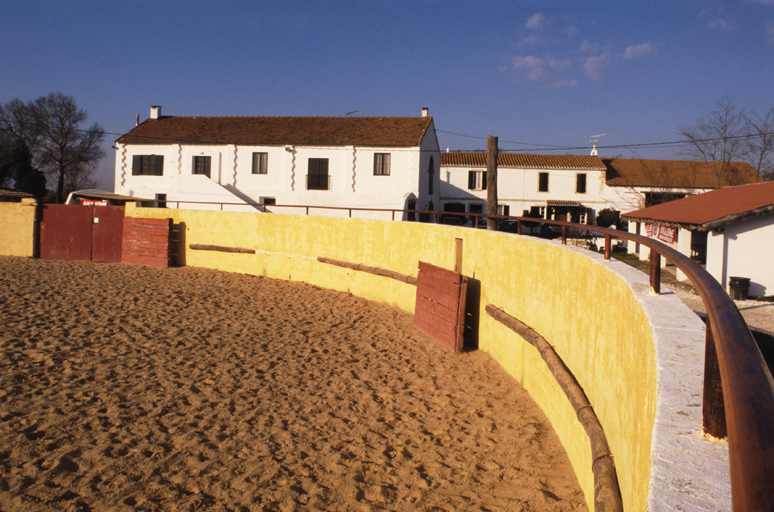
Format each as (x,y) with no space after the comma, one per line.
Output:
(107,233)
(440,304)
(65,232)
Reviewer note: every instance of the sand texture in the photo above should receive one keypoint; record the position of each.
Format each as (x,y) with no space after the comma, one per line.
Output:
(125,387)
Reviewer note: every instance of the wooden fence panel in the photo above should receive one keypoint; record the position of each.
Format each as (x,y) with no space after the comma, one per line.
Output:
(440,304)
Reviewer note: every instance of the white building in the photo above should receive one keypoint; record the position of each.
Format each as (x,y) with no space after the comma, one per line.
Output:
(358,162)
(559,187)
(574,187)
(733,226)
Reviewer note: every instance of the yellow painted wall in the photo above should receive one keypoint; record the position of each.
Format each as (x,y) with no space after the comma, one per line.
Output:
(17,228)
(584,310)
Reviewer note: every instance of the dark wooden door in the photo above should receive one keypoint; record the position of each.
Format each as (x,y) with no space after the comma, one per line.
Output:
(107,230)
(76,232)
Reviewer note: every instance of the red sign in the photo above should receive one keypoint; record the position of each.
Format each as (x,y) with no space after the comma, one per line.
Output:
(94,202)
(666,234)
(649,229)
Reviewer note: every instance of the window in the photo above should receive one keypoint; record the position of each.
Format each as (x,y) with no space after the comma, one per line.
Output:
(268,200)
(147,165)
(431,173)
(201,165)
(543,182)
(580,183)
(318,178)
(504,210)
(260,163)
(161,200)
(476,180)
(381,164)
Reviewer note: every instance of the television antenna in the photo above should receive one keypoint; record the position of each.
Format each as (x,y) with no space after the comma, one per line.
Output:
(594,139)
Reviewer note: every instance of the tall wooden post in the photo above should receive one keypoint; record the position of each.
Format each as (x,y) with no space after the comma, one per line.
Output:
(491,182)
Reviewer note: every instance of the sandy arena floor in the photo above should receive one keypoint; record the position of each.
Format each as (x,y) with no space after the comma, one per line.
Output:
(131,388)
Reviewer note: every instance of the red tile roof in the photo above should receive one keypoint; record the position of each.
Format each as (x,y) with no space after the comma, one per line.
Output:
(522,161)
(711,209)
(635,172)
(269,131)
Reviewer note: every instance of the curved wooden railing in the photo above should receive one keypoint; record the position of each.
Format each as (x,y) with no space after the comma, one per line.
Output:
(746,405)
(741,405)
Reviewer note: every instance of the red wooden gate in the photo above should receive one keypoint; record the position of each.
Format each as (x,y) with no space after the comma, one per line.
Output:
(76,232)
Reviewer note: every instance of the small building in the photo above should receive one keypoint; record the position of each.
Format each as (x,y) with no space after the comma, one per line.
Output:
(236,163)
(731,229)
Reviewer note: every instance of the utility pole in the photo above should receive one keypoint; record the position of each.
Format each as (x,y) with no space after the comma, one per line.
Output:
(491,182)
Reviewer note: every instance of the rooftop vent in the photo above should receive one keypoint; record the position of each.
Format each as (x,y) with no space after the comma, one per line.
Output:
(155,112)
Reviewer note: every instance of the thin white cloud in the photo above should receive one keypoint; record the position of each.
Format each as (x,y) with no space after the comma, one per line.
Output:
(539,69)
(536,21)
(639,51)
(563,84)
(588,47)
(532,40)
(724,24)
(536,67)
(594,65)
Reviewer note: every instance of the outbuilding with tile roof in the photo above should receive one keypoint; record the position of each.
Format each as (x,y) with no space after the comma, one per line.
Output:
(734,224)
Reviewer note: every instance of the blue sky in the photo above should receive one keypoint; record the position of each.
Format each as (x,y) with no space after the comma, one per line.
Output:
(540,75)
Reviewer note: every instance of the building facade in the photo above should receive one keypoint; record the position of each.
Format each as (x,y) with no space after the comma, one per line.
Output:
(263,163)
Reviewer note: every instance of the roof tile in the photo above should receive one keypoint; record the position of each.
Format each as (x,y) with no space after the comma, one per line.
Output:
(522,161)
(269,131)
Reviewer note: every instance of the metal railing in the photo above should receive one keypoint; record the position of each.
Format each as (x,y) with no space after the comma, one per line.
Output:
(740,405)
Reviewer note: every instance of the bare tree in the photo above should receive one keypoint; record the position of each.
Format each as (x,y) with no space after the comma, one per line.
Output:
(719,139)
(760,143)
(66,152)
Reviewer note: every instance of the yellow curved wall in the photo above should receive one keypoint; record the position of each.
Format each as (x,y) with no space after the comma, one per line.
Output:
(583,309)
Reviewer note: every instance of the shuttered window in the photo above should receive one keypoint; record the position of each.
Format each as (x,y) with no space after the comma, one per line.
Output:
(147,165)
(201,165)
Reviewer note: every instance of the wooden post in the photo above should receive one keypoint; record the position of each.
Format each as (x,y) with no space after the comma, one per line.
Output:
(608,240)
(655,272)
(713,415)
(491,182)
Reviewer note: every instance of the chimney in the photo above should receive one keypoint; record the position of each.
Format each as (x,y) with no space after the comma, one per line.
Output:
(424,111)
(137,121)
(155,112)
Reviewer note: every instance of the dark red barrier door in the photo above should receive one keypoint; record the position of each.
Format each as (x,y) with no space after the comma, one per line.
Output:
(107,230)
(76,232)
(65,232)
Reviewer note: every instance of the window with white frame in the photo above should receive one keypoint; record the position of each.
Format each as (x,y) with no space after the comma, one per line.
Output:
(476,180)
(381,164)
(201,165)
(260,163)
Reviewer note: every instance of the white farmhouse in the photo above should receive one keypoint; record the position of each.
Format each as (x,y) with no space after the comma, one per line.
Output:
(250,163)
(576,187)
(731,228)
(559,187)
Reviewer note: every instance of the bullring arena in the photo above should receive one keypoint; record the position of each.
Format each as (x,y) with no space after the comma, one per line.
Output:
(258,376)
(137,388)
